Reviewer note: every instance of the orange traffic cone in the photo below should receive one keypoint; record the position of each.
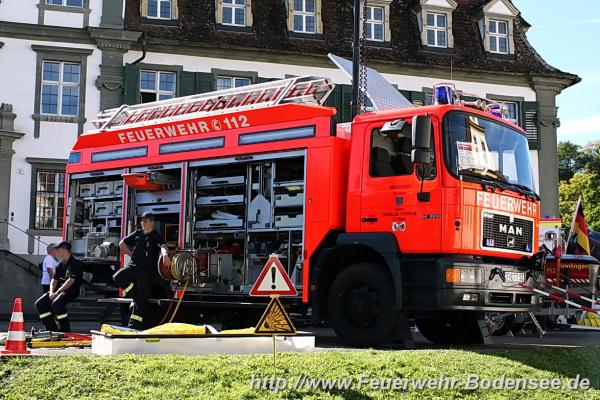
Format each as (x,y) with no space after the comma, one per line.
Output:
(15,342)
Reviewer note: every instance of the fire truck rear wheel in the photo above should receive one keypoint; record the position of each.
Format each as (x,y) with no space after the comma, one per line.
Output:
(361,305)
(451,328)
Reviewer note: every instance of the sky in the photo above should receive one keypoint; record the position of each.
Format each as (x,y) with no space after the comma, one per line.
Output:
(566,33)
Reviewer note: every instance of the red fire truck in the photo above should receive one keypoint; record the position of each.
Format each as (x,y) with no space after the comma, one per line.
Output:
(427,212)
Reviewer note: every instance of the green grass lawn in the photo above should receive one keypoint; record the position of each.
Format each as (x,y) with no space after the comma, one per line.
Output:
(228,377)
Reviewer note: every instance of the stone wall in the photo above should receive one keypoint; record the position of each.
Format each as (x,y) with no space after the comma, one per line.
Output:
(16,281)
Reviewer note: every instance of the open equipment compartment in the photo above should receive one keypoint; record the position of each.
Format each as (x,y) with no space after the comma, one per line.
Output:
(241,211)
(164,204)
(94,214)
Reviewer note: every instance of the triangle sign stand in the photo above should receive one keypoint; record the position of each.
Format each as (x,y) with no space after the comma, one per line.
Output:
(273,280)
(275,320)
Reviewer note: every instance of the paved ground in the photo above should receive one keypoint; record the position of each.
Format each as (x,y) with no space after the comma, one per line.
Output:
(326,340)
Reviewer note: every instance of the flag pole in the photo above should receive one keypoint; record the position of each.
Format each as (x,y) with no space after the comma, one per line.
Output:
(577,205)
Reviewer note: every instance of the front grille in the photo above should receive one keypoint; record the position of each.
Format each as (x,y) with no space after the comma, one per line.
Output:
(501,298)
(499,232)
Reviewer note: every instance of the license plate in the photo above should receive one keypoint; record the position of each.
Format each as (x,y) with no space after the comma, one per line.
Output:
(515,276)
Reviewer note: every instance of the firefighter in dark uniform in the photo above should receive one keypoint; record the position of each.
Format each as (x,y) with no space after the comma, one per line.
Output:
(144,246)
(64,287)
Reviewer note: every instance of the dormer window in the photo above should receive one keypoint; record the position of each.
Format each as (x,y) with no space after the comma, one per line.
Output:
(437,30)
(496,22)
(498,36)
(159,10)
(377,21)
(234,13)
(435,23)
(304,16)
(375,24)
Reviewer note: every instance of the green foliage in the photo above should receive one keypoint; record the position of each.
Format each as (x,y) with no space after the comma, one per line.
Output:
(568,162)
(587,186)
(579,174)
(228,377)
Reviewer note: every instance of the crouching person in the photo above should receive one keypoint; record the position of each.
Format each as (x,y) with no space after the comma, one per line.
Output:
(64,287)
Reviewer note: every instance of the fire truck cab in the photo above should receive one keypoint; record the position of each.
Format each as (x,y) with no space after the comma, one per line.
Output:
(427,212)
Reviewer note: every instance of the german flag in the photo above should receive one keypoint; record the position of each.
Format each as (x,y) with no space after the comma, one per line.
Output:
(580,230)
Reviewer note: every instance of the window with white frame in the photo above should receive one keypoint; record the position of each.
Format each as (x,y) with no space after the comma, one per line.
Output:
(160,9)
(157,85)
(437,30)
(513,111)
(60,88)
(229,82)
(66,3)
(375,23)
(305,18)
(234,12)
(498,36)
(49,199)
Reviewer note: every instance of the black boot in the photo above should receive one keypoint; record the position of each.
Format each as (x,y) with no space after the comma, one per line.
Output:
(50,323)
(64,325)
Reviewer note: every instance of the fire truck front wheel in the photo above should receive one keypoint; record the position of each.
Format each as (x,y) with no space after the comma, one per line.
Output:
(361,305)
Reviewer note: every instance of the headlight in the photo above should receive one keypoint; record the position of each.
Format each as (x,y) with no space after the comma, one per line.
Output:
(463,275)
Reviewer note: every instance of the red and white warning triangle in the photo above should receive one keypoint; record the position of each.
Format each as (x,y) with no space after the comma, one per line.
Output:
(273,280)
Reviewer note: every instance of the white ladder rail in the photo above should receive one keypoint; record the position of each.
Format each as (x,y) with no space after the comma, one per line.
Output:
(304,90)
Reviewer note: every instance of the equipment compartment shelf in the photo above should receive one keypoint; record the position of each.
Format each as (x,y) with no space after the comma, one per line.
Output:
(94,198)
(159,209)
(220,200)
(288,220)
(289,200)
(287,184)
(205,181)
(218,223)
(163,196)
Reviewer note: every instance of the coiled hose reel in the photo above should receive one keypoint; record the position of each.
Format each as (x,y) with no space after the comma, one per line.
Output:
(181,267)
(185,266)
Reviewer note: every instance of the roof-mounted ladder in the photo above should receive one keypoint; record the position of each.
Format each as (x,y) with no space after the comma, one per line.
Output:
(306,90)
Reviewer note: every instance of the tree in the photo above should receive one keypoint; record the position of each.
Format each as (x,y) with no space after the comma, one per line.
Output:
(567,160)
(589,159)
(586,185)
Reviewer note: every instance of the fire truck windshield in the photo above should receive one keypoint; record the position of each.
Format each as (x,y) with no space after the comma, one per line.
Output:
(484,149)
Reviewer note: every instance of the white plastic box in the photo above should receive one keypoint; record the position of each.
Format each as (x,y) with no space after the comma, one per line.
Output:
(87,190)
(104,188)
(103,208)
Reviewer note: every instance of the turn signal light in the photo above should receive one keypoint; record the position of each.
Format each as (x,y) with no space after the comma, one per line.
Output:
(453,275)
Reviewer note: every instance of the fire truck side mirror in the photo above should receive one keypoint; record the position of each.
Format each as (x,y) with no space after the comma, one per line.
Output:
(421,140)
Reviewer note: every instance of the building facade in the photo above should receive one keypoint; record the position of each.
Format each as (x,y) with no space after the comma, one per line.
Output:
(62,61)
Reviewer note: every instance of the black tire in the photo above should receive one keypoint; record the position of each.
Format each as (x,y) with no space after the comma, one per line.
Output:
(451,328)
(504,326)
(362,308)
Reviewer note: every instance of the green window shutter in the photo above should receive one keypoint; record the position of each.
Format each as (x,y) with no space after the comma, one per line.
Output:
(341,99)
(204,82)
(346,106)
(131,85)
(261,79)
(187,83)
(417,98)
(531,124)
(335,100)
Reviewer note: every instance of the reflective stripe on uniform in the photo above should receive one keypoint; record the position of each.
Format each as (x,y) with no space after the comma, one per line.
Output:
(46,314)
(62,316)
(136,317)
(128,288)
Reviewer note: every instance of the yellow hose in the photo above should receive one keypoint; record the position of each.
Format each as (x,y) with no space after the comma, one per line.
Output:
(179,302)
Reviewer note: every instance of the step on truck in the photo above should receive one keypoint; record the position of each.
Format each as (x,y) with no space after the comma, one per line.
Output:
(428,213)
